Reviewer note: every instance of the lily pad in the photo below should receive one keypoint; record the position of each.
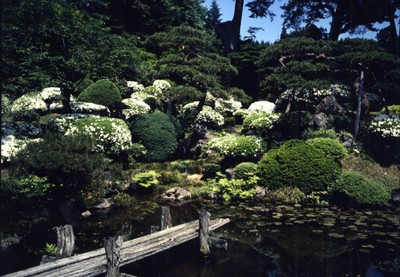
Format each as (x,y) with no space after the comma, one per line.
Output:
(336,235)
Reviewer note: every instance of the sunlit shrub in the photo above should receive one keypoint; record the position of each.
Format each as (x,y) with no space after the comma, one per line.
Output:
(231,145)
(236,189)
(210,118)
(245,170)
(103,92)
(355,189)
(331,147)
(290,195)
(298,164)
(261,123)
(146,179)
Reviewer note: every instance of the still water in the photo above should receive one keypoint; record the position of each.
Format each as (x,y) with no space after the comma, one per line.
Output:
(264,239)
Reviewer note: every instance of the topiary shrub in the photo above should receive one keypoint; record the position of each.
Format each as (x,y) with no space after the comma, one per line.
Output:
(260,123)
(298,164)
(112,135)
(309,134)
(234,146)
(103,92)
(355,189)
(245,170)
(331,147)
(158,132)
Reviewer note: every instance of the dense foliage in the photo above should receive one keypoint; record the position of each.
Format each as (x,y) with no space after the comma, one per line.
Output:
(354,188)
(102,92)
(158,132)
(298,164)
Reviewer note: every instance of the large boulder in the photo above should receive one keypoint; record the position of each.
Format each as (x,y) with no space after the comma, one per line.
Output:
(329,105)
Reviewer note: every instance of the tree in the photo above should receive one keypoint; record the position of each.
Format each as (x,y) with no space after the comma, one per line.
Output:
(229,31)
(354,16)
(213,16)
(58,43)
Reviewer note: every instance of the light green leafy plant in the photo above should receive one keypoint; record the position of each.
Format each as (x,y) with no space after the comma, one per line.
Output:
(146,179)
(50,249)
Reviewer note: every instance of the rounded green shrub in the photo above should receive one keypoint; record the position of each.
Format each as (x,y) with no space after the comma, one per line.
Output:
(158,132)
(320,134)
(331,147)
(103,92)
(245,170)
(298,164)
(354,188)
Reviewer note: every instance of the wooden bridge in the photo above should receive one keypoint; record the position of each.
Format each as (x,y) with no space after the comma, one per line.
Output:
(95,263)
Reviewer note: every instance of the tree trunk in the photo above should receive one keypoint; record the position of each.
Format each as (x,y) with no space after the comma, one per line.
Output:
(359,103)
(229,31)
(337,23)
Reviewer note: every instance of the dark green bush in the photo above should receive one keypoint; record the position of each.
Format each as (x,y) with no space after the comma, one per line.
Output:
(68,162)
(331,147)
(355,189)
(210,170)
(309,134)
(103,92)
(123,200)
(158,132)
(298,164)
(245,170)
(292,124)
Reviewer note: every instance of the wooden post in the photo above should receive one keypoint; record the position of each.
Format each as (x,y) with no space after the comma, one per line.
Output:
(204,221)
(166,220)
(65,241)
(113,255)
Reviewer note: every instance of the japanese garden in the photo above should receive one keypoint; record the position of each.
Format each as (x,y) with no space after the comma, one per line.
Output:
(113,110)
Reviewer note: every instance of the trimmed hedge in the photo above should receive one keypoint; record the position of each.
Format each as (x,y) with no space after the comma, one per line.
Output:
(298,164)
(158,132)
(354,188)
(331,147)
(245,170)
(103,92)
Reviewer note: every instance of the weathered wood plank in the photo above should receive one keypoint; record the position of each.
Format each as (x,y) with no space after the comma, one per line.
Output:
(93,263)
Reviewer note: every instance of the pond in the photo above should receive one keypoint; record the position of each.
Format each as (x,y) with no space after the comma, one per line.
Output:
(264,239)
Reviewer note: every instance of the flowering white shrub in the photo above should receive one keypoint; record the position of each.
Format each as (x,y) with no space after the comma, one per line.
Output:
(10,146)
(313,96)
(51,93)
(161,85)
(190,107)
(210,117)
(231,145)
(230,105)
(30,101)
(134,86)
(386,125)
(143,96)
(137,107)
(262,107)
(260,122)
(86,107)
(112,135)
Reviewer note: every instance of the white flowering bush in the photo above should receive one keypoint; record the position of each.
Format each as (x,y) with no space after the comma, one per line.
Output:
(111,135)
(51,93)
(137,107)
(386,125)
(312,96)
(236,146)
(262,107)
(30,101)
(134,86)
(90,108)
(161,85)
(11,145)
(260,122)
(210,118)
(229,105)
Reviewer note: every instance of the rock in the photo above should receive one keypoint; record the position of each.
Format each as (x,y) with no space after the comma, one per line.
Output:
(104,204)
(329,105)
(194,179)
(86,214)
(89,108)
(319,121)
(176,194)
(261,192)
